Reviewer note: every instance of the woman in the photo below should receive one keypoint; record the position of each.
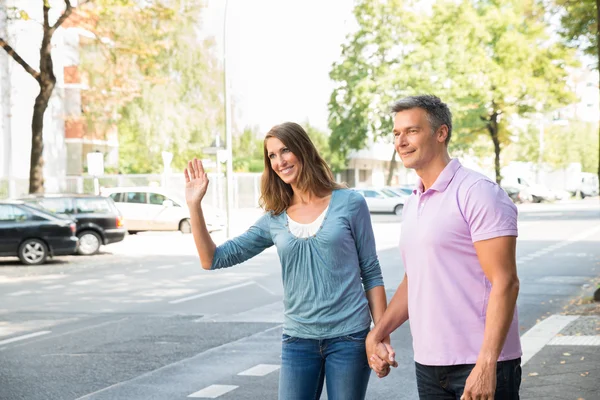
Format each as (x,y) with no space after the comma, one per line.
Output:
(331,275)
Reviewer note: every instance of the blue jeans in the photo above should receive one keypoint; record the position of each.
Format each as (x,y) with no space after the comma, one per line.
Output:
(448,382)
(341,362)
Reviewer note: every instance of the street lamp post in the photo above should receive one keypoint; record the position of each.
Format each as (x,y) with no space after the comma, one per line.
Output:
(228,135)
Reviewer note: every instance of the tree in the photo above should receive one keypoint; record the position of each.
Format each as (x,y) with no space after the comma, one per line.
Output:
(152,76)
(373,71)
(247,150)
(44,76)
(581,28)
(321,141)
(503,65)
(496,64)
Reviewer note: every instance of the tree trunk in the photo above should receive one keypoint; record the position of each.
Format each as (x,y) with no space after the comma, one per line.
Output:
(393,167)
(36,166)
(492,127)
(47,81)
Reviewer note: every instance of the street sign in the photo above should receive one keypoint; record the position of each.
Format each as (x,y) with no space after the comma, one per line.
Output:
(95,163)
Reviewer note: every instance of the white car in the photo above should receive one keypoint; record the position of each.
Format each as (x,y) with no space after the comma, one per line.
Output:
(158,209)
(382,200)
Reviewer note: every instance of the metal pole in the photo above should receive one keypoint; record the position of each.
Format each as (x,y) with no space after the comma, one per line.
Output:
(228,136)
(5,119)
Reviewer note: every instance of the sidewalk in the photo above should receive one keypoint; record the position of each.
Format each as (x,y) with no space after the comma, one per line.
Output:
(561,359)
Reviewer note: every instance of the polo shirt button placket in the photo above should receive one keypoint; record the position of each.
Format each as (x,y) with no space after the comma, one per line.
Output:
(421,206)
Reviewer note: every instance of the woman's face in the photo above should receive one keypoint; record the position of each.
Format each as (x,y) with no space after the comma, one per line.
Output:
(283,161)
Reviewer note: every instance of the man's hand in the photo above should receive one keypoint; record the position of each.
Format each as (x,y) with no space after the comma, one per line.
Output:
(481,383)
(380,355)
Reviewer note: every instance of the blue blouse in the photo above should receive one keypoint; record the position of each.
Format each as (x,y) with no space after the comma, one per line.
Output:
(325,276)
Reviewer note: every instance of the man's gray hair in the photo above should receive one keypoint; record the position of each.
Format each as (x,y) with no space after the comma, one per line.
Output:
(438,113)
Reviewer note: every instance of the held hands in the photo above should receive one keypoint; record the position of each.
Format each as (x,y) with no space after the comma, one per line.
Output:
(196,183)
(380,355)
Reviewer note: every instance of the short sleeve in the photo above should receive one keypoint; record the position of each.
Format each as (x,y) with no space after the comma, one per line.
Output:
(489,212)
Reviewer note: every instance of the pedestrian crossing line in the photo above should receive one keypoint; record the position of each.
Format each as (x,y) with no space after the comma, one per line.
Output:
(85,282)
(116,277)
(141,271)
(165,267)
(20,293)
(260,370)
(558,245)
(213,391)
(197,296)
(575,341)
(53,287)
(23,337)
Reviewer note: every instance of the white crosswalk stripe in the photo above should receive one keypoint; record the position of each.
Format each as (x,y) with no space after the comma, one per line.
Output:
(213,391)
(260,370)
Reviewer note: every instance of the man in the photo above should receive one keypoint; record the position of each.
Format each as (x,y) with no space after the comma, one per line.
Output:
(460,288)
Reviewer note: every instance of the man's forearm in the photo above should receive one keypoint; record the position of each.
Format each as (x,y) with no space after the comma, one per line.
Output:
(500,311)
(395,314)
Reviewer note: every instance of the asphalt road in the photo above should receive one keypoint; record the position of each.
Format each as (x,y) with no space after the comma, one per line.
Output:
(141,320)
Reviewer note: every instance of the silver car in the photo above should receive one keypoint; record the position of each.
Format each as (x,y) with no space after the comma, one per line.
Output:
(158,209)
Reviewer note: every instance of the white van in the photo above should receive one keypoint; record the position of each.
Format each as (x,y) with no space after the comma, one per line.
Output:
(158,209)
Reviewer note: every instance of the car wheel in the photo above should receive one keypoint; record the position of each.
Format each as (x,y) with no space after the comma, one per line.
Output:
(33,252)
(398,209)
(185,226)
(89,243)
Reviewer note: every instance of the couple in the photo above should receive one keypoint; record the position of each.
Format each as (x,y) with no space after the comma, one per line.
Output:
(457,244)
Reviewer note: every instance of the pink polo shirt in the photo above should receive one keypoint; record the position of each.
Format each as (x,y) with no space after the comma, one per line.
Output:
(447,290)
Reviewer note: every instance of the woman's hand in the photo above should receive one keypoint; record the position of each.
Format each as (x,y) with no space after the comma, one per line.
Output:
(196,183)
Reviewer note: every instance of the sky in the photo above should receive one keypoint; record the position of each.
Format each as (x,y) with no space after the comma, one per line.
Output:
(279,54)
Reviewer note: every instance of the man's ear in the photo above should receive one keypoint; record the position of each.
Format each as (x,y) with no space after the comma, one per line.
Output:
(442,133)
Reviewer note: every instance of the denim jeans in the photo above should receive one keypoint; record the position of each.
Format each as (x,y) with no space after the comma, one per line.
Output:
(448,382)
(341,362)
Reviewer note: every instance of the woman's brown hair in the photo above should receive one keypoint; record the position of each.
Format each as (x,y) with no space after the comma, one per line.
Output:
(314,175)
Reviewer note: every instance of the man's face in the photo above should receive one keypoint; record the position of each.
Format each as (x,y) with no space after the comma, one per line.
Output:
(414,140)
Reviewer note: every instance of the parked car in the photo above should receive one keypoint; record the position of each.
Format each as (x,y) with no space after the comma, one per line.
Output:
(382,200)
(158,209)
(33,234)
(98,219)
(518,194)
(401,190)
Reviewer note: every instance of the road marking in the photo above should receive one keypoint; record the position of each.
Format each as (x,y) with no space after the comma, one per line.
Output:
(266,289)
(197,296)
(213,391)
(55,287)
(140,271)
(537,337)
(189,263)
(24,337)
(260,370)
(20,293)
(115,277)
(165,267)
(217,350)
(575,341)
(558,245)
(85,282)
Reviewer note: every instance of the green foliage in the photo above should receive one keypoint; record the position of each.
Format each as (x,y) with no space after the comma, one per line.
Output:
(579,24)
(321,141)
(248,153)
(489,60)
(155,78)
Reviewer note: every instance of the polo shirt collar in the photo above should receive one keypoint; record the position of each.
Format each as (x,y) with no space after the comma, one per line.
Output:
(443,180)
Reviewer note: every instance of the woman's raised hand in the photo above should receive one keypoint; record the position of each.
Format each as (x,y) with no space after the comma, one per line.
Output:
(196,183)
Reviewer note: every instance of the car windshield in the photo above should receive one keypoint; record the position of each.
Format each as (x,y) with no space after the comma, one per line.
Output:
(389,193)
